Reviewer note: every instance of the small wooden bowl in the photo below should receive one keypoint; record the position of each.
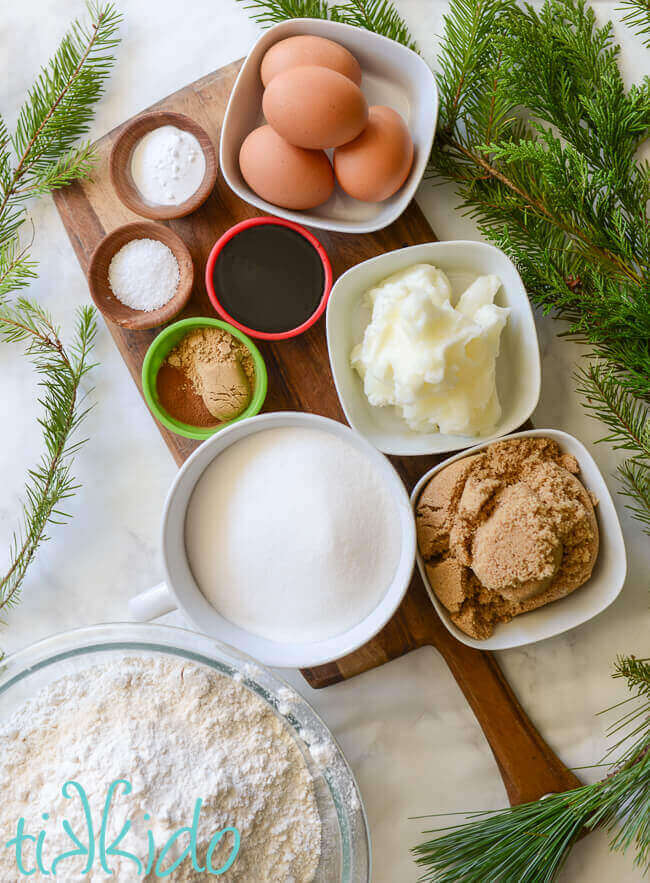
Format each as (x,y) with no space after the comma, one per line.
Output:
(100,289)
(120,165)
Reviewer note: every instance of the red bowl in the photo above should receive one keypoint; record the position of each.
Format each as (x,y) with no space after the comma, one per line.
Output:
(280,222)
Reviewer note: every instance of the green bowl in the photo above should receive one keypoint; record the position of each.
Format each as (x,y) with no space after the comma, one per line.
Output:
(156,354)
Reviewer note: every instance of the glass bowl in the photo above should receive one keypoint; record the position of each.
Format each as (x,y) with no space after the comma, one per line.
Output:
(345,839)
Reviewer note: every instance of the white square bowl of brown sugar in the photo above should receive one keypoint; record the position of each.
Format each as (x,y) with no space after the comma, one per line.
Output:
(557,616)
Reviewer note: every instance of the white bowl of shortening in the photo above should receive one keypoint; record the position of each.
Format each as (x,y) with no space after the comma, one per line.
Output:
(288,536)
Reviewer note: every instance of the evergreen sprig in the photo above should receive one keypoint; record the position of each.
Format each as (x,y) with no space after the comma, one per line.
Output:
(42,155)
(379,16)
(50,483)
(637,17)
(539,135)
(628,421)
(531,842)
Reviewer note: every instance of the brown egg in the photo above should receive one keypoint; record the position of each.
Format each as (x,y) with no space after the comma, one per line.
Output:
(315,107)
(307,50)
(287,176)
(376,164)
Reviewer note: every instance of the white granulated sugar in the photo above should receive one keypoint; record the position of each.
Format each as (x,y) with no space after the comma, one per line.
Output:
(144,274)
(176,731)
(291,534)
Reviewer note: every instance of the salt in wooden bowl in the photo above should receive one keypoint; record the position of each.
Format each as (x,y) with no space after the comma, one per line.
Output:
(112,308)
(119,165)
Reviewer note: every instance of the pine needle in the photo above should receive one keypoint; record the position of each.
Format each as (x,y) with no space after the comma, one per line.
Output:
(540,137)
(531,842)
(57,112)
(50,483)
(269,12)
(42,155)
(379,16)
(637,17)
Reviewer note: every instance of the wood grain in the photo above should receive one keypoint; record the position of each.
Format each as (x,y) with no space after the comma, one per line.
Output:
(300,379)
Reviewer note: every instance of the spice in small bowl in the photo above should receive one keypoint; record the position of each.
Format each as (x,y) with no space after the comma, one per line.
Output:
(200,375)
(141,275)
(163,165)
(144,274)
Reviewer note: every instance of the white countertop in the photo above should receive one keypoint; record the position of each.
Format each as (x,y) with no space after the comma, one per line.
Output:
(405,727)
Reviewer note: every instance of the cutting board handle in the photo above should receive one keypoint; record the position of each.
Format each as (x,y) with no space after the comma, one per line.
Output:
(528,766)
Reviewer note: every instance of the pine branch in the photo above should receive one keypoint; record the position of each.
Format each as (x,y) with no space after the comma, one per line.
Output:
(379,16)
(637,17)
(635,478)
(16,268)
(627,419)
(56,113)
(50,483)
(539,136)
(637,674)
(269,12)
(58,110)
(531,842)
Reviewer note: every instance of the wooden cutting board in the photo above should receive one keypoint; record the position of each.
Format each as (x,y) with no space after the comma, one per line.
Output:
(300,380)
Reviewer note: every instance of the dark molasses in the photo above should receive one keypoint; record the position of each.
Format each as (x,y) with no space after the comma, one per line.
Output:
(269,278)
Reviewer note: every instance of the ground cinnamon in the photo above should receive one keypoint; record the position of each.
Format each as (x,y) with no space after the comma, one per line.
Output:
(176,395)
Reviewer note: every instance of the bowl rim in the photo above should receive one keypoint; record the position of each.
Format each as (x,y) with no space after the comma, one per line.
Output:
(615,534)
(148,382)
(129,196)
(261,221)
(462,442)
(295,654)
(317,27)
(203,650)
(143,320)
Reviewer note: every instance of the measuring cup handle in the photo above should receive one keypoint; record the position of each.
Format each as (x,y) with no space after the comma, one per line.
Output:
(151,604)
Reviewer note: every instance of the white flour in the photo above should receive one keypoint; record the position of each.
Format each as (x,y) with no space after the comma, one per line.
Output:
(177,732)
(291,534)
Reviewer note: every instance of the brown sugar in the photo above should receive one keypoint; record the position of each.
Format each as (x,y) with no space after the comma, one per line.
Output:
(506,531)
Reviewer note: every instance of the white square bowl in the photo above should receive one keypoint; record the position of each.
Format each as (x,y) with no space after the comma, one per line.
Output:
(392,75)
(607,578)
(518,365)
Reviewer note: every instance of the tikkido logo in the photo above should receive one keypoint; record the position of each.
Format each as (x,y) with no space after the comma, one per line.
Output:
(96,850)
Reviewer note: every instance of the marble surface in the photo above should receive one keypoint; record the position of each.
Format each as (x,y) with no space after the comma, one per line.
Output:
(406,729)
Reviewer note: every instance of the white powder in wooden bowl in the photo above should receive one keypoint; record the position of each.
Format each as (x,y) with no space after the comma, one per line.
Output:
(176,731)
(293,534)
